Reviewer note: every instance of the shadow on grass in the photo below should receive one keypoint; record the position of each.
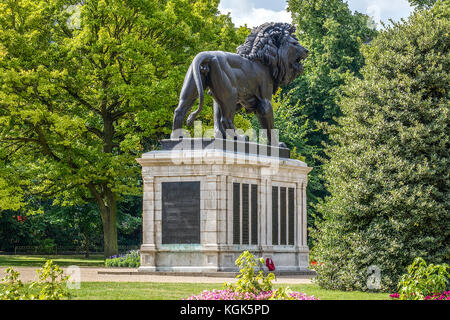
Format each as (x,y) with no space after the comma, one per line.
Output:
(61,260)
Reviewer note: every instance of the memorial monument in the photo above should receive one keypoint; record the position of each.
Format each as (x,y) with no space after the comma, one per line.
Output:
(207,199)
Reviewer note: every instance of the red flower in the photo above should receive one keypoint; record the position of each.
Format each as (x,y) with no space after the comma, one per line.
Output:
(270,265)
(21,218)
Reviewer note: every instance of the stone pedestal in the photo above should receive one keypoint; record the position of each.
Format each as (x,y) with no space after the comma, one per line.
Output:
(204,207)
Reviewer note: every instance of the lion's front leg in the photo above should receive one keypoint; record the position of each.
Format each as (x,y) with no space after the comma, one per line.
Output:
(264,112)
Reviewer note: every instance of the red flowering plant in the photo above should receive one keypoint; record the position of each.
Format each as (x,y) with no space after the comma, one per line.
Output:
(313,263)
(251,285)
(424,282)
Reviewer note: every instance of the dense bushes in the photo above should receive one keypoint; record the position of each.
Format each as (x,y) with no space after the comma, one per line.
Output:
(132,260)
(388,174)
(69,227)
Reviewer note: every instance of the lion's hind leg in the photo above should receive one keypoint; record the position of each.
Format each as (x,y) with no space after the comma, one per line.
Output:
(188,95)
(219,129)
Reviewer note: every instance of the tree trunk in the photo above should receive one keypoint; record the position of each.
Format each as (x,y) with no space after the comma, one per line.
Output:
(109,218)
(108,210)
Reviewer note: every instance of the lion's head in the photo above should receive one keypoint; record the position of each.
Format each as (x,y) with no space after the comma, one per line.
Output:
(275,45)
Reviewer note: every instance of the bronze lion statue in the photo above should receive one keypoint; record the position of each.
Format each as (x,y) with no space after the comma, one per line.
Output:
(270,57)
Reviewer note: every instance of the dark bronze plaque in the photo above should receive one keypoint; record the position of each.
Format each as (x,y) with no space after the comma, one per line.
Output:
(236,214)
(254,207)
(181,212)
(245,214)
(291,236)
(275,215)
(283,216)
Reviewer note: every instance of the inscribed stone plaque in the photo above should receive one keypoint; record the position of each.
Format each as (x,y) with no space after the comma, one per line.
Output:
(291,195)
(275,215)
(254,197)
(283,216)
(236,213)
(245,214)
(181,212)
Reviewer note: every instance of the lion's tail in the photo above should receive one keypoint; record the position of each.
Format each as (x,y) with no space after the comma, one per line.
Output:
(202,57)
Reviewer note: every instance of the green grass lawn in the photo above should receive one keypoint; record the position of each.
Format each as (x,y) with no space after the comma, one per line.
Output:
(61,260)
(153,290)
(177,291)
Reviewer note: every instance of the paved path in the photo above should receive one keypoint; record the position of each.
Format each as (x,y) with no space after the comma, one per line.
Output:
(91,274)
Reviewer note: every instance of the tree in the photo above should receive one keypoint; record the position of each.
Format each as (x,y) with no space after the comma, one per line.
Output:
(333,35)
(80,94)
(388,170)
(421,4)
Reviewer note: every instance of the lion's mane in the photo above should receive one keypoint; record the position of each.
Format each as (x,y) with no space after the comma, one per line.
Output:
(265,45)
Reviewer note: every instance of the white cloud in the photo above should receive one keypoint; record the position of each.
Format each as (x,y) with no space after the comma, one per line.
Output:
(382,9)
(244,12)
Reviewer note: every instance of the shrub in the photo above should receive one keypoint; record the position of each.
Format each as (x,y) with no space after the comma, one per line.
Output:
(424,282)
(248,281)
(388,174)
(251,285)
(131,260)
(52,282)
(11,287)
(52,285)
(47,246)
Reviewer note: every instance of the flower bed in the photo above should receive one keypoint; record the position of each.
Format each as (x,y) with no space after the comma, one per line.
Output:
(251,285)
(227,294)
(130,260)
(439,296)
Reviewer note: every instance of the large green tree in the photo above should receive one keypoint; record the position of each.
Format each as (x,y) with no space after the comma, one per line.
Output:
(388,172)
(334,35)
(420,4)
(83,84)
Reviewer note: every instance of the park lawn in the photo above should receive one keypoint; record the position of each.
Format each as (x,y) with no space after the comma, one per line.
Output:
(61,260)
(177,291)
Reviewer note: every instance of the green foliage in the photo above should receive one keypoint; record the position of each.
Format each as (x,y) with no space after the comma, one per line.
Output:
(388,171)
(79,102)
(52,285)
(333,35)
(290,132)
(247,279)
(47,246)
(423,280)
(68,227)
(422,3)
(130,260)
(12,287)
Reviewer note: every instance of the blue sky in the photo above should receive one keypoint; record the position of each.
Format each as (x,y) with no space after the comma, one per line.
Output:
(255,12)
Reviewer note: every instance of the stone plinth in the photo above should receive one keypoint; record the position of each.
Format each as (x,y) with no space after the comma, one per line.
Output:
(203,208)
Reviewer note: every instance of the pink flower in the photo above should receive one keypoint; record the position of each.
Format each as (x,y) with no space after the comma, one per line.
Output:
(232,295)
